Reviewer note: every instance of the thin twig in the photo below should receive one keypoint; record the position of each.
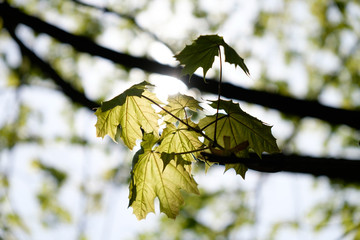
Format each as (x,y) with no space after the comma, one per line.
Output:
(127,17)
(192,151)
(219,93)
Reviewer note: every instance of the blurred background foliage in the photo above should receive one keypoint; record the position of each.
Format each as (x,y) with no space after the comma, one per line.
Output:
(58,181)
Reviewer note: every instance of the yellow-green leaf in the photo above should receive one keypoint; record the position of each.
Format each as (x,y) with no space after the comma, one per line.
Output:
(240,127)
(177,106)
(149,180)
(179,140)
(130,111)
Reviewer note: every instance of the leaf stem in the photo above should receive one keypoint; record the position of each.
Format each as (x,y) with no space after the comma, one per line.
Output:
(192,151)
(186,124)
(219,93)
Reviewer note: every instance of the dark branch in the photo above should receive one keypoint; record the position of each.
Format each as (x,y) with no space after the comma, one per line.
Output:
(75,95)
(301,108)
(83,44)
(333,168)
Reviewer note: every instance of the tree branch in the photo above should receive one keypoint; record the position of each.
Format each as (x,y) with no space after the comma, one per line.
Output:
(75,95)
(334,168)
(301,108)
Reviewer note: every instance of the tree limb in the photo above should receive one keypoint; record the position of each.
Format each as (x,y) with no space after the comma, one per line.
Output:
(333,168)
(289,105)
(75,95)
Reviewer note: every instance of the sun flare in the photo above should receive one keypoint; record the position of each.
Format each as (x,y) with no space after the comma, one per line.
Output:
(165,86)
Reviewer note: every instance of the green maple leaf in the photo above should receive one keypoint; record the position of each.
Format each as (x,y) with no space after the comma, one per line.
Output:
(149,180)
(239,127)
(177,106)
(132,112)
(202,54)
(232,57)
(179,139)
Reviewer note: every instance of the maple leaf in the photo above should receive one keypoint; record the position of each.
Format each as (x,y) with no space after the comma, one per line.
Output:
(177,106)
(177,140)
(131,111)
(202,54)
(239,127)
(232,57)
(149,180)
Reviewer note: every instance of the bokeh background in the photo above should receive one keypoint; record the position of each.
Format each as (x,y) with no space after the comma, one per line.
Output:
(58,181)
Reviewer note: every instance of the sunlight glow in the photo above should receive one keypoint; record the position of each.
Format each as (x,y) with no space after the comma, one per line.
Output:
(165,86)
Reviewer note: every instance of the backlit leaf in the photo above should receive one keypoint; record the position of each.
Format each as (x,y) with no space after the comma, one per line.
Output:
(179,140)
(240,127)
(199,54)
(202,54)
(233,58)
(177,106)
(149,180)
(132,112)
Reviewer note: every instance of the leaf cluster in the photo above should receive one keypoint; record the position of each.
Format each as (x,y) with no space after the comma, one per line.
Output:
(171,141)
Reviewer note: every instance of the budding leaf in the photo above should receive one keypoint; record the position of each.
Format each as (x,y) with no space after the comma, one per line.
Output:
(202,54)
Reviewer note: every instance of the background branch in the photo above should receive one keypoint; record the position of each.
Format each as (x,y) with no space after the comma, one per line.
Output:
(75,95)
(289,105)
(334,168)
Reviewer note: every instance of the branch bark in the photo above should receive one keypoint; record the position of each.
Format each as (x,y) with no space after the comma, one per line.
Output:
(289,105)
(75,95)
(334,168)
